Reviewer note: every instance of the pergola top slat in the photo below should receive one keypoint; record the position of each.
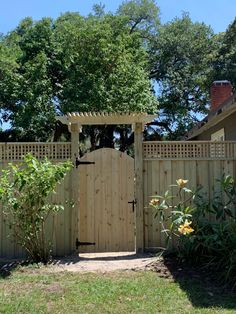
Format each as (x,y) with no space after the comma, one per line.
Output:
(98,118)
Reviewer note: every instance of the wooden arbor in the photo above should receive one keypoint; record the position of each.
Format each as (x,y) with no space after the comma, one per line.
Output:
(75,121)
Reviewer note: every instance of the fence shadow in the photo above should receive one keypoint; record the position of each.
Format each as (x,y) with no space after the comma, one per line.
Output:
(7,267)
(201,287)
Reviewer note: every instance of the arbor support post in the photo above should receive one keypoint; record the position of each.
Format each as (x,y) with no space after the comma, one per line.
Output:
(75,129)
(138,162)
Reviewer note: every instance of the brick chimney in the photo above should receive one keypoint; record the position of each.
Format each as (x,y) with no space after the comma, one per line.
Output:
(220,92)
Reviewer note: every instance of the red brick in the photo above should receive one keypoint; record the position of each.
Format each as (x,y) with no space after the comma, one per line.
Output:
(220,92)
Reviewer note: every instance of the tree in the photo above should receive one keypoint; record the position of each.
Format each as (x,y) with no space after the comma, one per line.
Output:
(180,61)
(26,93)
(143,16)
(104,66)
(75,63)
(109,62)
(9,80)
(225,60)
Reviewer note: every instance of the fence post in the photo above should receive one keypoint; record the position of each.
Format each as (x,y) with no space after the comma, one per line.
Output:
(138,162)
(75,129)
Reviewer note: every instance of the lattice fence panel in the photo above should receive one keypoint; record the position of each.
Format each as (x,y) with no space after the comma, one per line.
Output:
(16,151)
(189,150)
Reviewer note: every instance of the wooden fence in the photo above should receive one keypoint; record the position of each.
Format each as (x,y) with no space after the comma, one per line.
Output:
(164,162)
(59,226)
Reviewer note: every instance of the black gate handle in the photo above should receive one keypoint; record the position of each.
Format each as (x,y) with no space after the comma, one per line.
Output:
(134,202)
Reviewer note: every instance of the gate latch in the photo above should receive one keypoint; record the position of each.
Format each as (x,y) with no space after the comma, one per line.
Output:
(79,243)
(82,162)
(134,202)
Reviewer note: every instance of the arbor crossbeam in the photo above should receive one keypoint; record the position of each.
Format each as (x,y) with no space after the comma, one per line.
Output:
(105,118)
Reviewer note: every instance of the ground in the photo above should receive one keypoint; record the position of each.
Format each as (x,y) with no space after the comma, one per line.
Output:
(111,283)
(103,262)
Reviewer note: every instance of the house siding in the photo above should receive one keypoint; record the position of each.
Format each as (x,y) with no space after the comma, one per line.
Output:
(229,125)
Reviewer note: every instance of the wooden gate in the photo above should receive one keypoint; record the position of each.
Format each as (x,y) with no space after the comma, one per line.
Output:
(106,218)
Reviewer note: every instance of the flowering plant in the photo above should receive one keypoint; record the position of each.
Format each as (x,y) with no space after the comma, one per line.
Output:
(204,226)
(175,210)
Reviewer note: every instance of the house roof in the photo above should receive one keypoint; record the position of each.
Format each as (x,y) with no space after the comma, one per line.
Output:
(214,117)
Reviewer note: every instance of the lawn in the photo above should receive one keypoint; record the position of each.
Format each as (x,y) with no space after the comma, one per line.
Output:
(30,290)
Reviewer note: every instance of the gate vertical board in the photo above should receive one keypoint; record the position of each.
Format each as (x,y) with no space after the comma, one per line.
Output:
(115,196)
(106,187)
(130,214)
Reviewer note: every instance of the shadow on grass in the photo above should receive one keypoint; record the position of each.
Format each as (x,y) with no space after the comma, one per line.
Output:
(7,267)
(201,287)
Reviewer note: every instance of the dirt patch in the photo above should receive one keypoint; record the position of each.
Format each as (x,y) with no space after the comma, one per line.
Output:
(171,268)
(174,270)
(54,288)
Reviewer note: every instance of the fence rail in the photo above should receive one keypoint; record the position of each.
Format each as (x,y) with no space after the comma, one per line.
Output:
(16,151)
(199,150)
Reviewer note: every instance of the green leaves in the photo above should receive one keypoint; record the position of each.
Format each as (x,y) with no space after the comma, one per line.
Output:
(175,211)
(225,58)
(224,200)
(181,63)
(142,15)
(106,66)
(24,189)
(111,62)
(205,230)
(74,63)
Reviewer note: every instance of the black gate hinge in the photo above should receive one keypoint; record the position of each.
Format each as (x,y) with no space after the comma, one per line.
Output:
(80,243)
(82,162)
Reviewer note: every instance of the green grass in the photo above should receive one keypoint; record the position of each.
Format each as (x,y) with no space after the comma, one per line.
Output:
(29,290)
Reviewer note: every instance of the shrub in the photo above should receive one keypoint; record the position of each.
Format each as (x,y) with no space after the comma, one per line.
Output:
(209,242)
(24,189)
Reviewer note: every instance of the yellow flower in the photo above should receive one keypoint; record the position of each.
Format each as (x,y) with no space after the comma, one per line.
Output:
(185,228)
(154,202)
(181,183)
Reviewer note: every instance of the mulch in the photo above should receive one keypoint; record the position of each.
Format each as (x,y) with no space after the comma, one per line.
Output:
(173,269)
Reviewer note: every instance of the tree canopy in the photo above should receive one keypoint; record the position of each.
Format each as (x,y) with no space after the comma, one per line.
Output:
(74,63)
(122,61)
(225,61)
(180,59)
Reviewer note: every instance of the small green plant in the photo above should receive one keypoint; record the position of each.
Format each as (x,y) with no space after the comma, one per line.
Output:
(224,200)
(24,189)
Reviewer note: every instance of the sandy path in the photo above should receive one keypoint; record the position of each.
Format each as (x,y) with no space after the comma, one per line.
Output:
(102,262)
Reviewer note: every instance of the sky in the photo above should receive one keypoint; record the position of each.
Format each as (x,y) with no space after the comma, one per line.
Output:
(216,13)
